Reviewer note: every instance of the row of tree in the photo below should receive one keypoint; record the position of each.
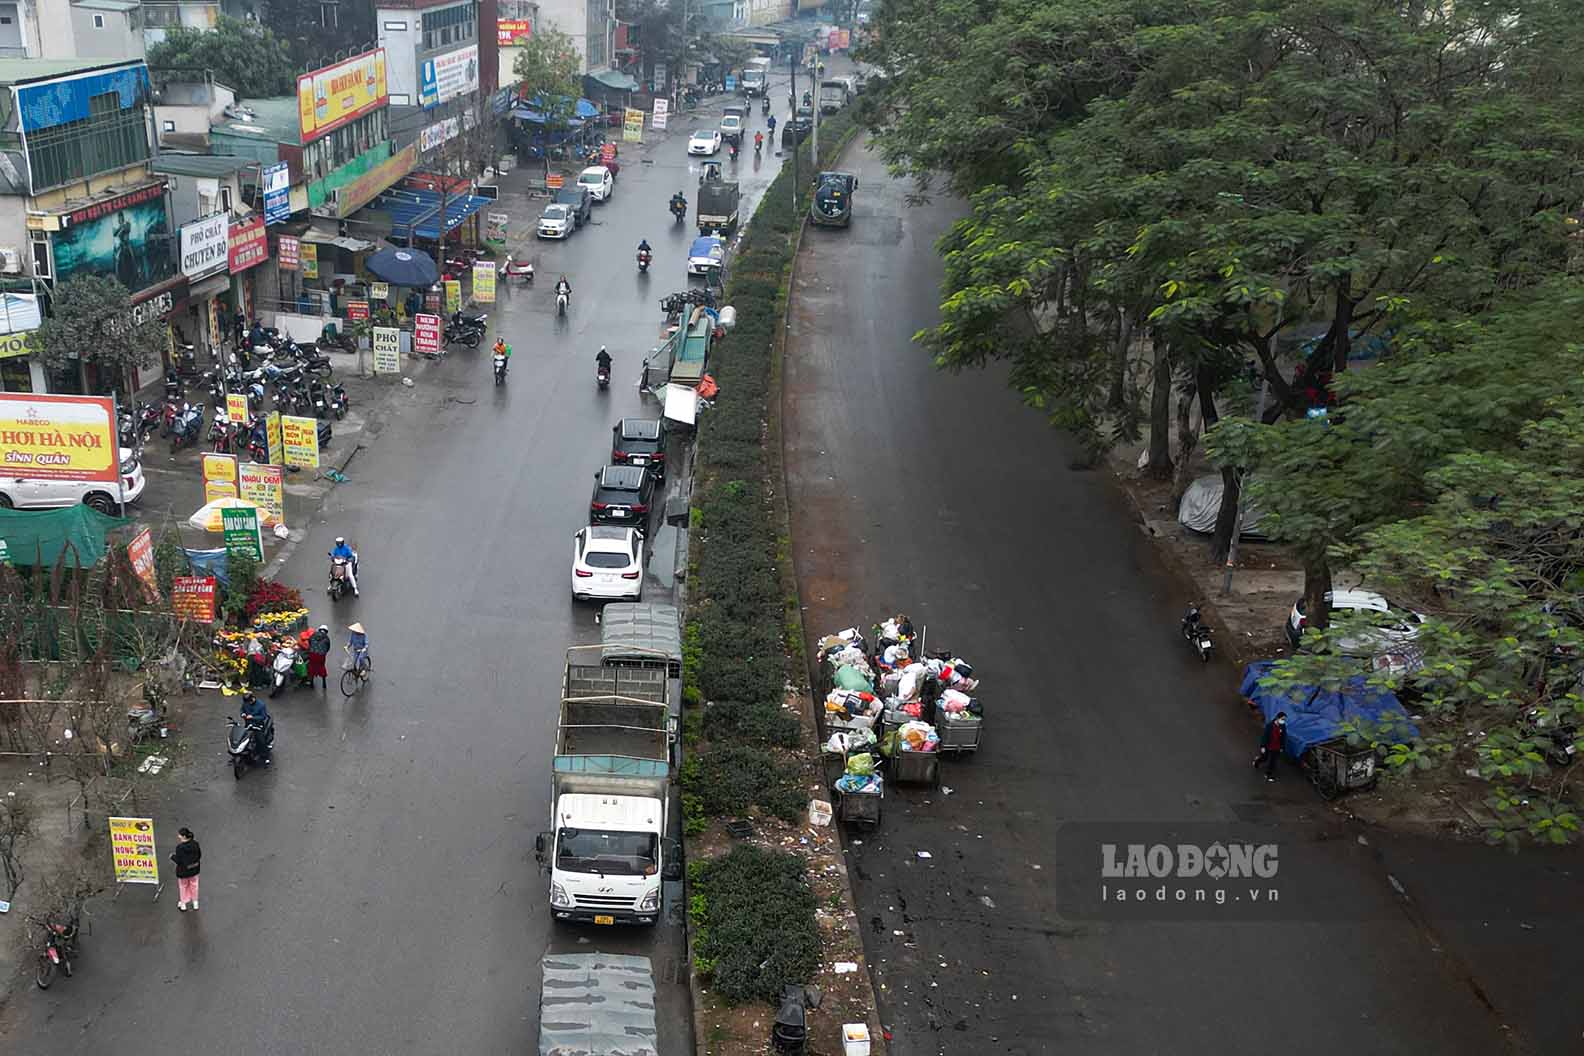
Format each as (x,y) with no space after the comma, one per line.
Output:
(1182,202)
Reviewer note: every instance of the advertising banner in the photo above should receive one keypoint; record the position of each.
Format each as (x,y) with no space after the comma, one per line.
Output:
(140,551)
(607,153)
(446,77)
(193,598)
(59,437)
(290,257)
(484,282)
(19,312)
(204,244)
(632,126)
(495,227)
(132,850)
(59,102)
(453,295)
(387,350)
(379,291)
(219,476)
(555,181)
(12,345)
(265,487)
(662,112)
(509,32)
(659,79)
(368,186)
(274,448)
(301,438)
(247,244)
(310,259)
(438,133)
(236,407)
(277,193)
(426,334)
(123,237)
(239,525)
(357,311)
(335,95)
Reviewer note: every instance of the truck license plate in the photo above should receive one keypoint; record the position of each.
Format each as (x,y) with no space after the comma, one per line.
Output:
(604,920)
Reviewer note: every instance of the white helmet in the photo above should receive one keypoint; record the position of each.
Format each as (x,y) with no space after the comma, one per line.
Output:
(340,539)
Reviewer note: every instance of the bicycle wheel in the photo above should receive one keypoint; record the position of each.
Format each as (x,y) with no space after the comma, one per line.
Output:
(350,682)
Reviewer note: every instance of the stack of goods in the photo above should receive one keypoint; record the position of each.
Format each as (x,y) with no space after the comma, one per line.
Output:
(246,657)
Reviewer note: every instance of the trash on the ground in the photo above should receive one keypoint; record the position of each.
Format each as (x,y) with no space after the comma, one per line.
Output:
(209,683)
(844,967)
(282,532)
(5,907)
(988,901)
(739,828)
(153,764)
(407,382)
(819,812)
(855,1039)
(947,789)
(924,854)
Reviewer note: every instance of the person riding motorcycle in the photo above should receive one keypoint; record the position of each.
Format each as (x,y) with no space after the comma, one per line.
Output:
(758,141)
(504,350)
(643,245)
(602,360)
(343,550)
(257,716)
(563,286)
(771,123)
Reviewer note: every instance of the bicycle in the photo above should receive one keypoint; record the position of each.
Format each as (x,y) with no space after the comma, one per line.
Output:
(354,675)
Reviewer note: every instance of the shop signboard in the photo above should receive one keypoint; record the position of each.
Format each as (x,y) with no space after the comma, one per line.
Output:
(204,244)
(236,407)
(121,237)
(140,552)
(248,245)
(453,296)
(333,96)
(484,282)
(277,193)
(662,112)
(438,133)
(511,32)
(59,437)
(193,598)
(12,345)
(289,253)
(301,439)
(219,476)
(309,253)
(387,350)
(273,446)
(265,487)
(449,76)
(495,227)
(239,526)
(375,181)
(555,181)
(426,334)
(659,79)
(132,850)
(357,311)
(379,291)
(632,126)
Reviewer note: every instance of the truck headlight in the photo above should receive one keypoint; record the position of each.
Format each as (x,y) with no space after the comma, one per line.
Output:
(650,901)
(558,897)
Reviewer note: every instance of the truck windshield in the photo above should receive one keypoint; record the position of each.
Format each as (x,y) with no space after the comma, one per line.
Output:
(613,853)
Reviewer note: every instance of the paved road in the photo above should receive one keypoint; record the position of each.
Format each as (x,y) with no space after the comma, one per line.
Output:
(376,891)
(941,496)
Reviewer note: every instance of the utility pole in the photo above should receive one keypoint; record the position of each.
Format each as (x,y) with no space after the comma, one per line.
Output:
(792,123)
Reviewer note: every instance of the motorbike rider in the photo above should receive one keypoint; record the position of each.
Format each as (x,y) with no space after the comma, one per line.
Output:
(678,202)
(563,286)
(345,551)
(771,123)
(643,248)
(758,141)
(256,715)
(602,360)
(503,350)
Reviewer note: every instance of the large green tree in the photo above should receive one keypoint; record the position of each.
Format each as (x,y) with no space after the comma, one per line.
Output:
(244,56)
(91,321)
(546,69)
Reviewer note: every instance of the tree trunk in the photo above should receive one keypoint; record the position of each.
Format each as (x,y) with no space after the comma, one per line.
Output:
(1342,325)
(1317,587)
(1226,516)
(1187,443)
(1119,361)
(1159,465)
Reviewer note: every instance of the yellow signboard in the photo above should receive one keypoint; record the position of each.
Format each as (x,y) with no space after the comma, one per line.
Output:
(484,282)
(14,344)
(132,851)
(59,437)
(219,476)
(335,95)
(236,407)
(272,439)
(264,486)
(301,437)
(310,260)
(379,291)
(453,294)
(632,126)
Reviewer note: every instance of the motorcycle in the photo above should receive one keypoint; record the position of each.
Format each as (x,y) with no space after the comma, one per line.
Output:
(644,257)
(679,209)
(602,376)
(500,368)
(220,435)
(463,335)
(186,427)
(339,583)
(248,742)
(148,421)
(60,947)
(764,105)
(284,673)
(516,269)
(758,147)
(561,302)
(338,400)
(1197,633)
(316,395)
(257,446)
(733,152)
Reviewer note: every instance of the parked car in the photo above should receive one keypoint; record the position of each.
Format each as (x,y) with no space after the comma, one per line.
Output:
(705,141)
(41,493)
(598,181)
(796,131)
(607,563)
(579,201)
(622,495)
(640,442)
(1389,643)
(556,221)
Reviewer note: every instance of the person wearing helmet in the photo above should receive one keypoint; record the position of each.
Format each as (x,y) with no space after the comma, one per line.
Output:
(342,550)
(256,715)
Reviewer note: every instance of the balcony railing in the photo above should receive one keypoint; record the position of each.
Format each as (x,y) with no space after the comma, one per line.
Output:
(14,51)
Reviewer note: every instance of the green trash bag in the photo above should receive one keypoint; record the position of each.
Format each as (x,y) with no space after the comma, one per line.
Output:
(862,764)
(849,677)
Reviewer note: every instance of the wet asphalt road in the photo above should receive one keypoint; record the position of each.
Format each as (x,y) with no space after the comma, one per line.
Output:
(942,496)
(375,891)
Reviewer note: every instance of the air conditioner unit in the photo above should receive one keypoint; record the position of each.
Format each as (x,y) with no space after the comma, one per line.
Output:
(10,261)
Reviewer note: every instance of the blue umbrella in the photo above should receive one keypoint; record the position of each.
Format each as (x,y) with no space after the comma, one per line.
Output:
(403,267)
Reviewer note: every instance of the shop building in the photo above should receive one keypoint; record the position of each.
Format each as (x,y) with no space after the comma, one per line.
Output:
(71,29)
(210,196)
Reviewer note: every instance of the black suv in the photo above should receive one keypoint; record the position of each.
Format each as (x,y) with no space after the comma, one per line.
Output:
(796,131)
(622,495)
(579,201)
(640,442)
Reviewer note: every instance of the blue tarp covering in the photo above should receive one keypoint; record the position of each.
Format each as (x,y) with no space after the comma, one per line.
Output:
(523,112)
(1315,715)
(209,563)
(532,110)
(416,212)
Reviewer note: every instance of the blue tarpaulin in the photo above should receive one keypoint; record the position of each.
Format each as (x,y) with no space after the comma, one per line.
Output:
(416,212)
(532,110)
(1315,715)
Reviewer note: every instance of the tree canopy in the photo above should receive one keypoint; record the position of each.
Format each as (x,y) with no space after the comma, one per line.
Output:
(546,69)
(91,321)
(244,56)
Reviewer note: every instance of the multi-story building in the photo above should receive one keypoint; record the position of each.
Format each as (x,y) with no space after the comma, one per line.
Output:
(71,29)
(433,65)
(591,24)
(161,16)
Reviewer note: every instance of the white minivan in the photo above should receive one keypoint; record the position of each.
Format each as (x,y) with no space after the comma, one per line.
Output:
(39,493)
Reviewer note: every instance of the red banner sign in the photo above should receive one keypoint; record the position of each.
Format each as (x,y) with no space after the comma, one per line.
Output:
(249,245)
(357,311)
(509,31)
(290,254)
(426,334)
(141,553)
(193,598)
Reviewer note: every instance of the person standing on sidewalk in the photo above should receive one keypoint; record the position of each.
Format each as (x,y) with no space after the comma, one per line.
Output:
(186,856)
(318,649)
(1271,745)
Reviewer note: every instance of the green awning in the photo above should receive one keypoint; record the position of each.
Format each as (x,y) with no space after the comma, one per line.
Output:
(620,82)
(39,537)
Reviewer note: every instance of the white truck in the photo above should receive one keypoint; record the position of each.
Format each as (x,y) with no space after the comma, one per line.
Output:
(608,850)
(756,77)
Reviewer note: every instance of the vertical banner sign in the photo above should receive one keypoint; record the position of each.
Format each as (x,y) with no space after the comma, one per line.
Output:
(290,255)
(387,350)
(310,259)
(236,407)
(453,295)
(607,153)
(379,291)
(140,551)
(301,437)
(277,193)
(219,476)
(659,82)
(662,111)
(495,227)
(632,126)
(272,439)
(426,334)
(555,181)
(264,486)
(193,598)
(484,282)
(357,311)
(132,850)
(239,525)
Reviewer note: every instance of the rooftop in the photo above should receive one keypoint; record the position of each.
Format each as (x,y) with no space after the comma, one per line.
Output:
(208,165)
(107,5)
(21,71)
(275,120)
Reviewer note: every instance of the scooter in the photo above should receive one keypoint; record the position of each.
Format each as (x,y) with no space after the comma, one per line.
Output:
(733,152)
(644,257)
(500,368)
(339,401)
(283,671)
(764,105)
(602,376)
(463,335)
(339,584)
(516,269)
(561,303)
(220,432)
(1197,633)
(60,947)
(678,210)
(186,427)
(248,742)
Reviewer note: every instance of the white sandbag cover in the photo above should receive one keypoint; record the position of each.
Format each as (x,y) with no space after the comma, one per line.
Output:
(1202,501)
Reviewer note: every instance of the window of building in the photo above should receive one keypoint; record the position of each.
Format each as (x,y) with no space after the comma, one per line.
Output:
(109,138)
(225,199)
(158,16)
(449,25)
(98,21)
(396,27)
(167,126)
(41,258)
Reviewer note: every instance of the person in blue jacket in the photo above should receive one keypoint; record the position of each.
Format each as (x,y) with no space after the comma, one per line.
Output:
(343,549)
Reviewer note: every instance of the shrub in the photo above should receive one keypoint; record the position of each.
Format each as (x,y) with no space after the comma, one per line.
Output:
(242,578)
(731,778)
(754,927)
(271,595)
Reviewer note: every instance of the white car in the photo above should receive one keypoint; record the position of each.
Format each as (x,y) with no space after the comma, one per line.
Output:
(607,563)
(598,180)
(1388,646)
(705,141)
(39,493)
(556,222)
